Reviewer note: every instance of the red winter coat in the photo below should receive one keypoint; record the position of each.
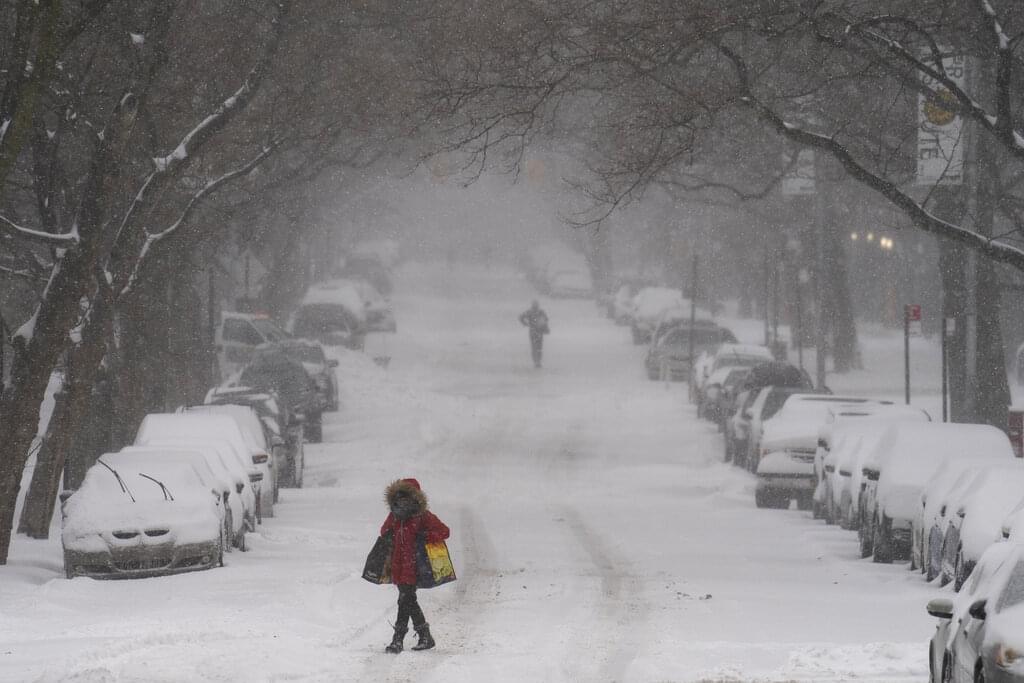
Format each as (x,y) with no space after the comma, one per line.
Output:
(404,533)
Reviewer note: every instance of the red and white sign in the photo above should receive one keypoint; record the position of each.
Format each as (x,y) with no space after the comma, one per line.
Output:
(913,313)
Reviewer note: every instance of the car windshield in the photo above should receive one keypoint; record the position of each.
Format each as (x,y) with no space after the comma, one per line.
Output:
(774,401)
(307,354)
(314,320)
(269,329)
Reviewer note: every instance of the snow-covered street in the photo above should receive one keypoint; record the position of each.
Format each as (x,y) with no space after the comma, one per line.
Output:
(596,533)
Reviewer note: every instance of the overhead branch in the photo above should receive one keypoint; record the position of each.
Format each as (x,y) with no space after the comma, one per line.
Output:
(997,251)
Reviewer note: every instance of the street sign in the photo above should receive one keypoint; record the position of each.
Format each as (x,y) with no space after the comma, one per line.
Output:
(913,314)
(940,141)
(799,180)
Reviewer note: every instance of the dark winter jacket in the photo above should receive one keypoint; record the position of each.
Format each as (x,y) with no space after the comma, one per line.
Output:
(536,319)
(406,522)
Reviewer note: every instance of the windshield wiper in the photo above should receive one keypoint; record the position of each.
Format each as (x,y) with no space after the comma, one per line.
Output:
(124,487)
(167,493)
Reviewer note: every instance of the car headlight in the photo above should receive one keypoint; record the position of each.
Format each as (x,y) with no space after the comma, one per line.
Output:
(1006,656)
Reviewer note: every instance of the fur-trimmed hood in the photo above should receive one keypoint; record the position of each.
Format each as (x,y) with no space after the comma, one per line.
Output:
(411,487)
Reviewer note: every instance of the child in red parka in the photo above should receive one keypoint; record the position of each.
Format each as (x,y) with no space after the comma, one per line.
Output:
(408,519)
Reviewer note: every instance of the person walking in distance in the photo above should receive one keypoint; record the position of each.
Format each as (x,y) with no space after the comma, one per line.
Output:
(408,520)
(537,321)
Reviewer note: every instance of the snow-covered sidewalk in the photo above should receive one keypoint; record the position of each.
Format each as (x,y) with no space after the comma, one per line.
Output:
(596,533)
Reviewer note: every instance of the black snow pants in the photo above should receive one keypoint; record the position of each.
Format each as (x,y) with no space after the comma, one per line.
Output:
(536,346)
(408,607)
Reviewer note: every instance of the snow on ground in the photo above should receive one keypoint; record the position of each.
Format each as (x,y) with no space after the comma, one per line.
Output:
(596,533)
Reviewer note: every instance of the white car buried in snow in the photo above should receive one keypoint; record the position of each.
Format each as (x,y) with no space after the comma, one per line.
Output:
(221,431)
(136,517)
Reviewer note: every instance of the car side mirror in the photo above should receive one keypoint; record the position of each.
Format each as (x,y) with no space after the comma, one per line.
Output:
(332,363)
(977,610)
(64,495)
(940,608)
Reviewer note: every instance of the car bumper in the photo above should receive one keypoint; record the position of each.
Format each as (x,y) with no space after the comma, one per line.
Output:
(142,562)
(785,482)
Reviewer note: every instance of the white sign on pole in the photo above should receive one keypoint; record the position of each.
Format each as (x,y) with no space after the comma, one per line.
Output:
(940,138)
(799,180)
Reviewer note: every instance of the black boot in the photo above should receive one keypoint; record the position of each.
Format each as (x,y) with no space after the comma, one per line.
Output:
(396,643)
(426,640)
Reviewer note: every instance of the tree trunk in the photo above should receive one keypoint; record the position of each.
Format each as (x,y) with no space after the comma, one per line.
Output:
(991,391)
(69,425)
(845,351)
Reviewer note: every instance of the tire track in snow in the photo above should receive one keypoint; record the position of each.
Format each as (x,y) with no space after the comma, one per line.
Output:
(618,610)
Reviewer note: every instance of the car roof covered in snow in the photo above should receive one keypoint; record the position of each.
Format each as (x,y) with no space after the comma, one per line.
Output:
(938,440)
(746,350)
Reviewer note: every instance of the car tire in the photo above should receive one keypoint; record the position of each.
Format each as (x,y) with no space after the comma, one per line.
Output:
(881,550)
(866,542)
(229,524)
(947,668)
(805,501)
(959,576)
(979,672)
(762,499)
(315,433)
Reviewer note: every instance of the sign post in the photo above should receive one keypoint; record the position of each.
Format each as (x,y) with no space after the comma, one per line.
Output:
(911,324)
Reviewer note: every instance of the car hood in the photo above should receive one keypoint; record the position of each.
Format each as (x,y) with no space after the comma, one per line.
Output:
(783,463)
(788,434)
(166,521)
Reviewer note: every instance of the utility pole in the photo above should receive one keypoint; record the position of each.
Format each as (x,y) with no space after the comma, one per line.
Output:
(821,216)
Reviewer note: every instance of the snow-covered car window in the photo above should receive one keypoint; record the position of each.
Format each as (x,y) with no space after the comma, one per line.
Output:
(241,332)
(1013,593)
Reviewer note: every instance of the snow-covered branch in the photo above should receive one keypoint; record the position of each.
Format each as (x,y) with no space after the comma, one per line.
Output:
(65,239)
(154,238)
(924,219)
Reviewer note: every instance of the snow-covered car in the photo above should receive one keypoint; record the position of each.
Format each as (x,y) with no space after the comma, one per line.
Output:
(668,356)
(315,363)
(788,441)
(255,441)
(225,441)
(929,527)
(380,316)
(977,522)
(739,356)
(648,306)
(719,391)
(897,472)
(737,425)
(951,610)
(620,308)
(214,474)
(332,313)
(136,517)
(571,284)
(238,334)
(987,642)
(789,420)
(286,431)
(368,267)
(287,378)
(837,464)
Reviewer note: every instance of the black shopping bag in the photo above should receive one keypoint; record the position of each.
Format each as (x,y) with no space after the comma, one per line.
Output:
(378,562)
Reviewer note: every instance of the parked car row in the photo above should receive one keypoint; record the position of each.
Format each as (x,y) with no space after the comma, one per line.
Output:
(195,482)
(946,498)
